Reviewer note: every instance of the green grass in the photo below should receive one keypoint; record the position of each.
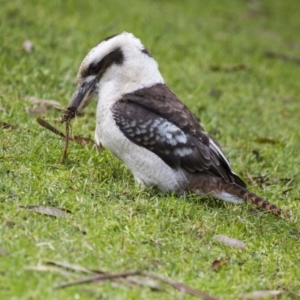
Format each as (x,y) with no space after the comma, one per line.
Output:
(115,225)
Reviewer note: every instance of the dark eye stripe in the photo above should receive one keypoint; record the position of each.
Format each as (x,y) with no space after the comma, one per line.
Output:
(99,68)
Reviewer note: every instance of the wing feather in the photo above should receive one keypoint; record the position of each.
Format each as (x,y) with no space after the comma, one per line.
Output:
(156,119)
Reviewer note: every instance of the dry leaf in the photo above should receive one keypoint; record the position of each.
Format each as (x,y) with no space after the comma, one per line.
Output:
(230,241)
(10,223)
(5,125)
(47,210)
(83,140)
(28,46)
(261,294)
(218,263)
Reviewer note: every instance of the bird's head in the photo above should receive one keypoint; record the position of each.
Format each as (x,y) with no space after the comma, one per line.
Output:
(121,60)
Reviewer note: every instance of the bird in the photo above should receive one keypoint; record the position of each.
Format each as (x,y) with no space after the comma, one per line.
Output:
(143,123)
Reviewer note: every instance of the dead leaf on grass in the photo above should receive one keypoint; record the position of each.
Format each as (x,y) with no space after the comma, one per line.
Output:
(83,140)
(218,263)
(5,125)
(256,295)
(47,210)
(257,154)
(10,223)
(230,241)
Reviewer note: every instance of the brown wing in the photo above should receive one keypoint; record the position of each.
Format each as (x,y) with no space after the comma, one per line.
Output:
(157,120)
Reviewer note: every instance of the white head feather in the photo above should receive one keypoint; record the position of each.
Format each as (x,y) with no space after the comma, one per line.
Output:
(138,67)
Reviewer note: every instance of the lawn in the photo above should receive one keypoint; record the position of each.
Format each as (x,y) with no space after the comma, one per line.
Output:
(236,65)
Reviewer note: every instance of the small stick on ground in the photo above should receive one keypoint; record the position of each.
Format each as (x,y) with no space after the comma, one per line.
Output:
(97,278)
(110,276)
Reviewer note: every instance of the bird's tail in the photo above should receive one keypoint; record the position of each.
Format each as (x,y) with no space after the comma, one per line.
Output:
(246,195)
(217,188)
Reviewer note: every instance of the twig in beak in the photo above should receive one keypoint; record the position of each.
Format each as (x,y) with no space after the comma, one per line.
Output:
(67,138)
(47,125)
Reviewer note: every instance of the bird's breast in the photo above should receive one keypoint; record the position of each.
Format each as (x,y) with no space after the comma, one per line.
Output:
(147,168)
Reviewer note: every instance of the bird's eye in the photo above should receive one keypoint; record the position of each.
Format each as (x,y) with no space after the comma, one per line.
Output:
(93,69)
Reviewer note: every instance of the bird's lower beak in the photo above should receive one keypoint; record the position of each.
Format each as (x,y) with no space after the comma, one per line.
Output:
(81,98)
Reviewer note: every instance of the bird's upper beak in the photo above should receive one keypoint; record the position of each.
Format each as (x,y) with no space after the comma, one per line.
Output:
(81,98)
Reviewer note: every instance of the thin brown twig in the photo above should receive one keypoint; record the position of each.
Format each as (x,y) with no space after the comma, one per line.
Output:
(70,267)
(107,276)
(130,281)
(67,138)
(97,278)
(180,286)
(77,139)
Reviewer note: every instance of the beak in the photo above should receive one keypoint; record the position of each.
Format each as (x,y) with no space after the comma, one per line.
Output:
(81,98)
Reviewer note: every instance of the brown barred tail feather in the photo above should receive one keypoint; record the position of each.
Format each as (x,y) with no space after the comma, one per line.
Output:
(246,195)
(232,192)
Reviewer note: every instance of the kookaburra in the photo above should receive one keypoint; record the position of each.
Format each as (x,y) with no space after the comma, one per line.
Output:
(142,122)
